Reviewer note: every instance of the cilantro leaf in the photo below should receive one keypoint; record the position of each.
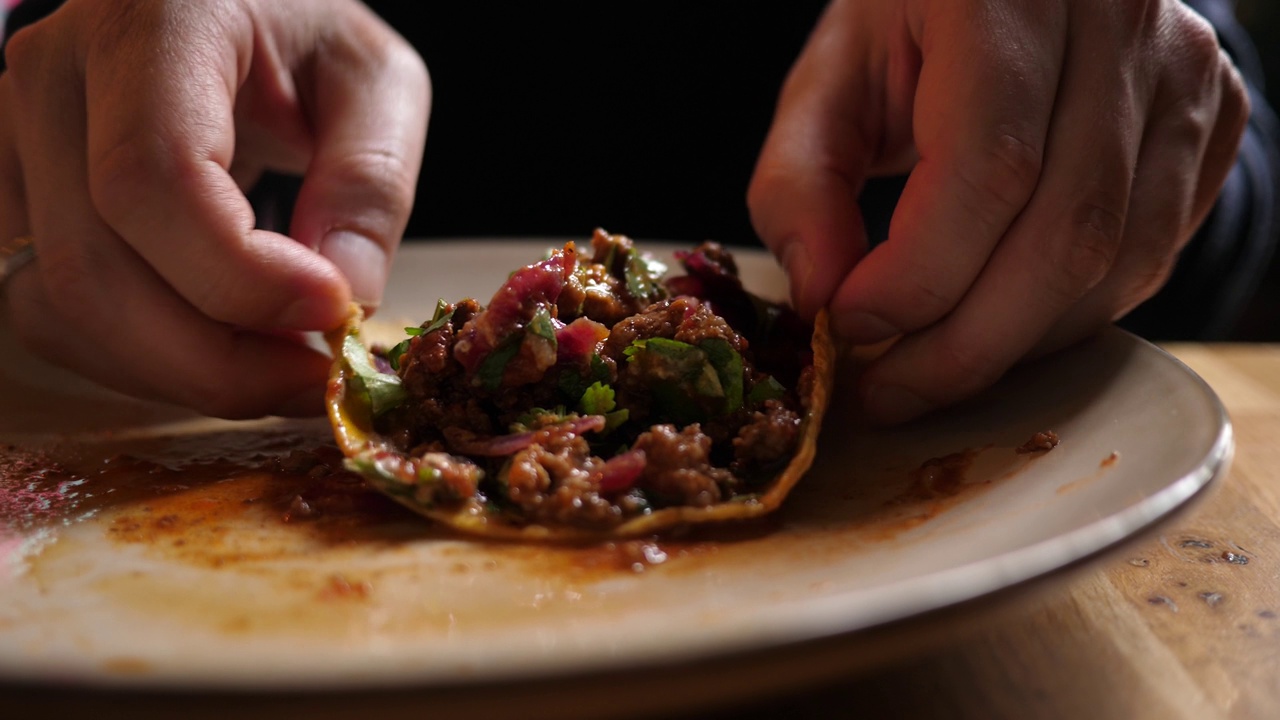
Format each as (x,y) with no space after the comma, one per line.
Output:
(539,417)
(678,375)
(574,384)
(642,275)
(402,347)
(541,325)
(612,420)
(597,400)
(383,391)
(397,352)
(768,389)
(439,318)
(728,368)
(494,365)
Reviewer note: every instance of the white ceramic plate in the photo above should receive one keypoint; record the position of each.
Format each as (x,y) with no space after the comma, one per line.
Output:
(199,583)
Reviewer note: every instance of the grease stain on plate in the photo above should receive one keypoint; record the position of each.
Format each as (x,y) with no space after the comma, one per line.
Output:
(263,532)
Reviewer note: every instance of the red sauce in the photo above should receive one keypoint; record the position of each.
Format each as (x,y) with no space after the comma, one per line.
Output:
(175,490)
(1040,442)
(941,478)
(36,490)
(1104,465)
(934,487)
(189,496)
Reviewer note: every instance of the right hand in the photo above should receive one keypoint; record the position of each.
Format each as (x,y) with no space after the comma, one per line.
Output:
(1061,154)
(129,133)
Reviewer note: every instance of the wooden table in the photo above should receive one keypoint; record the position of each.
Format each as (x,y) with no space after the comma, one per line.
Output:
(1181,623)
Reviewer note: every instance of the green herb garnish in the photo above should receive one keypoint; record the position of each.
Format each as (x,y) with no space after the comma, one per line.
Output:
(542,327)
(685,378)
(599,400)
(767,389)
(574,384)
(441,316)
(492,367)
(383,390)
(642,275)
(728,366)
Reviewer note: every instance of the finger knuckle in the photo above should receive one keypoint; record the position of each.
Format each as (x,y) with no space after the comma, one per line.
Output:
(367,44)
(1187,122)
(385,174)
(120,175)
(222,296)
(24,59)
(757,195)
(208,391)
(798,81)
(1197,37)
(409,64)
(1138,18)
(928,295)
(121,24)
(1089,251)
(65,273)
(1000,179)
(766,185)
(968,364)
(767,176)
(1196,54)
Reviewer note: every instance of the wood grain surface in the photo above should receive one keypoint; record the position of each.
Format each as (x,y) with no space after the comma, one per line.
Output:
(1181,623)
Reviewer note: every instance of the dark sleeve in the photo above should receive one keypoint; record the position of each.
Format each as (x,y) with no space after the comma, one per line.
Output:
(1221,270)
(24,14)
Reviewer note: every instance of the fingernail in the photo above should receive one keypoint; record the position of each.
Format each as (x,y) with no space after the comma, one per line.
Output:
(362,260)
(893,404)
(863,328)
(308,403)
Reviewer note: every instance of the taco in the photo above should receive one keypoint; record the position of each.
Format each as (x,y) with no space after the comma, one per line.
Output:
(592,397)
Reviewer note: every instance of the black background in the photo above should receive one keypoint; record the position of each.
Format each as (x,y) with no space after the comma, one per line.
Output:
(644,118)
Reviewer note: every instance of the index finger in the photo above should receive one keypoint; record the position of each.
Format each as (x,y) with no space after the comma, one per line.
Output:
(804,190)
(161,137)
(986,92)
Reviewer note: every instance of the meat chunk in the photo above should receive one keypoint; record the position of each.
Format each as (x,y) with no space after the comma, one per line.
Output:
(767,440)
(679,469)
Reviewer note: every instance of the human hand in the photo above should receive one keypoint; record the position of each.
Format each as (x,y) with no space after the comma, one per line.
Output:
(129,132)
(1061,154)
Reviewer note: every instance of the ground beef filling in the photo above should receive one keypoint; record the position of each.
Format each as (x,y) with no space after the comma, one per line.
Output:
(552,466)
(679,469)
